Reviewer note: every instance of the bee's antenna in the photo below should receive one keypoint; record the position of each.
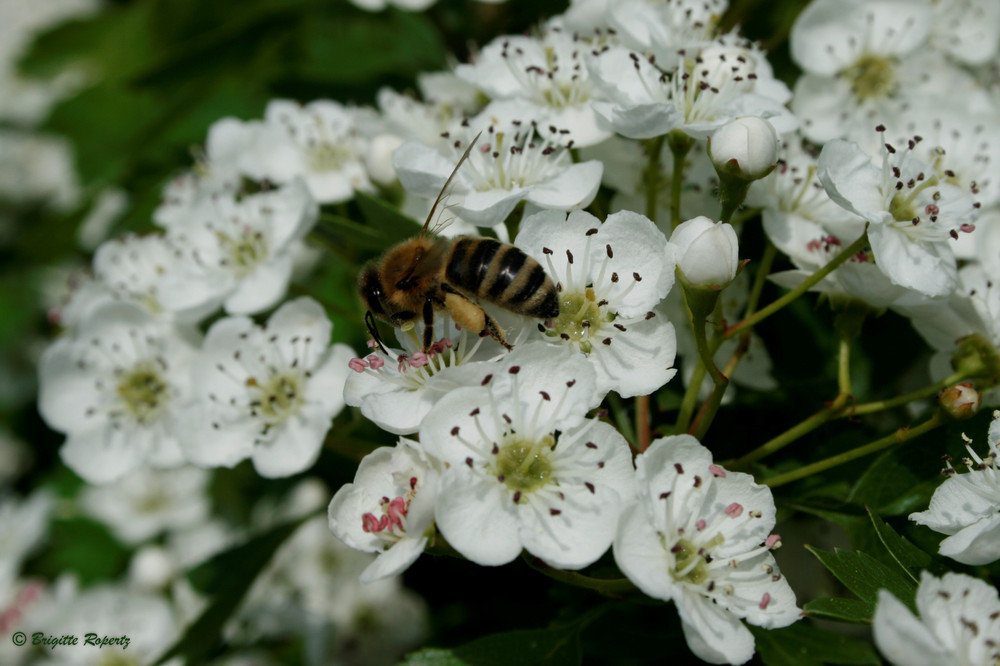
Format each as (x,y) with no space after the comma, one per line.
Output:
(444,188)
(373,330)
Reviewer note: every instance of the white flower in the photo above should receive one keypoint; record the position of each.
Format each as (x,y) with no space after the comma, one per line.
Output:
(967,506)
(524,468)
(913,211)
(508,165)
(231,147)
(268,394)
(708,252)
(665,28)
(396,388)
(747,146)
(322,142)
(610,278)
(145,503)
(141,625)
(389,509)
(311,589)
(37,169)
(138,268)
(865,61)
(701,537)
(238,252)
(959,623)
(24,525)
(712,85)
(116,388)
(545,78)
(967,30)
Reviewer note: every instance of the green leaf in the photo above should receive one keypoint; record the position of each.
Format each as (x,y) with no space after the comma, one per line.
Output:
(865,576)
(225,579)
(341,235)
(909,558)
(360,46)
(108,123)
(844,610)
(802,644)
(393,225)
(551,647)
(114,44)
(898,482)
(84,547)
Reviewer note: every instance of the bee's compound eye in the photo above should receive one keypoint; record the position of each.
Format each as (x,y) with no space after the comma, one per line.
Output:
(371,291)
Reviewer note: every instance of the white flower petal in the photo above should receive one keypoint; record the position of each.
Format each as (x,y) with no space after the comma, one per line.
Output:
(478,521)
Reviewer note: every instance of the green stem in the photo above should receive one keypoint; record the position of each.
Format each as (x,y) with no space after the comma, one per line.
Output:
(898,437)
(843,370)
(603,585)
(706,353)
(806,285)
(651,178)
(766,261)
(919,394)
(651,175)
(828,413)
(690,399)
(621,419)
(680,144)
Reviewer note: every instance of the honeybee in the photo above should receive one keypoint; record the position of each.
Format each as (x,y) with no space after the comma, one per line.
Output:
(428,273)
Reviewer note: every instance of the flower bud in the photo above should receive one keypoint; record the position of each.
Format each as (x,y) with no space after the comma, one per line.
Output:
(744,148)
(151,568)
(960,401)
(378,159)
(707,252)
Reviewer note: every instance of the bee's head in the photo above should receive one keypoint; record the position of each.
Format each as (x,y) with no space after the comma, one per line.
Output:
(373,295)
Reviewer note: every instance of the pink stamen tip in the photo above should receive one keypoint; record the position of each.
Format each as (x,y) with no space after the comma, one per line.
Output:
(700,525)
(765,600)
(734,510)
(967,228)
(717,471)
(832,240)
(485,148)
(357,364)
(395,513)
(773,541)
(374,361)
(932,209)
(419,359)
(446,343)
(403,364)
(53,316)
(371,344)
(814,245)
(369,523)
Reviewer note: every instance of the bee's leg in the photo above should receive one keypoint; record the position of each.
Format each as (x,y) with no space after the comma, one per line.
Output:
(471,317)
(428,324)
(493,328)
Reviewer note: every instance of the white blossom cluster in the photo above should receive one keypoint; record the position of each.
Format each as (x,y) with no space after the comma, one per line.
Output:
(165,361)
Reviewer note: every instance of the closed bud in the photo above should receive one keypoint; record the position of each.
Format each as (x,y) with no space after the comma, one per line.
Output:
(378,159)
(960,401)
(707,253)
(744,148)
(151,568)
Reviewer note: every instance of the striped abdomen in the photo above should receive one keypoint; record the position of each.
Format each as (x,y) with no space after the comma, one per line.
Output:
(501,273)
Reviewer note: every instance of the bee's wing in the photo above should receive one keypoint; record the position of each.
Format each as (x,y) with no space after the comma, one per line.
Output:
(443,195)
